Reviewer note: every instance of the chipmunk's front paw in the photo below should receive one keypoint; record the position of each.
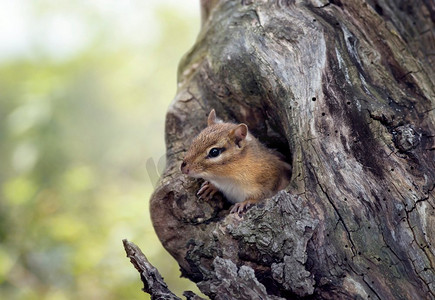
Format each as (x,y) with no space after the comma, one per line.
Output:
(207,191)
(242,206)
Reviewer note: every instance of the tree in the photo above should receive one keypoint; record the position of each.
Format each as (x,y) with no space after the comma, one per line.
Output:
(344,89)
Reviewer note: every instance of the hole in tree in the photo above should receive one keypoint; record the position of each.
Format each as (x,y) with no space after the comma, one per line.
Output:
(269,130)
(379,9)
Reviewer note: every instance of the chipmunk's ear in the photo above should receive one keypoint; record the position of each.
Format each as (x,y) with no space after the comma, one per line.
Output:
(239,133)
(211,118)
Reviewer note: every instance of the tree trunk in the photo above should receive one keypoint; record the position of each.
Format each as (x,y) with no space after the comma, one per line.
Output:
(345,90)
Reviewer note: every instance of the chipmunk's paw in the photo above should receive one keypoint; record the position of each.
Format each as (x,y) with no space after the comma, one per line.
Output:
(242,206)
(207,191)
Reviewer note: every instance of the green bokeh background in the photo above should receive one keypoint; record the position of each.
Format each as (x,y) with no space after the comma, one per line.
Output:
(84,87)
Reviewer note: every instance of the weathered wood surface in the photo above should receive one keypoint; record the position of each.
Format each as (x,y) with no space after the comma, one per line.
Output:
(150,276)
(345,89)
(153,282)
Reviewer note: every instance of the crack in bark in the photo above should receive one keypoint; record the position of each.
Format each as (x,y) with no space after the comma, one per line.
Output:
(340,219)
(422,279)
(415,236)
(422,200)
(372,289)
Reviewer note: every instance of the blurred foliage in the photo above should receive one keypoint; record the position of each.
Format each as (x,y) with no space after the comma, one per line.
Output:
(81,122)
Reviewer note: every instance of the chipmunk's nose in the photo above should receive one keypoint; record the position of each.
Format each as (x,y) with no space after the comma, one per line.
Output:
(184,168)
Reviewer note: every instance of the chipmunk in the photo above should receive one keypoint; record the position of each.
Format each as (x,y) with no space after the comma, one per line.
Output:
(232,161)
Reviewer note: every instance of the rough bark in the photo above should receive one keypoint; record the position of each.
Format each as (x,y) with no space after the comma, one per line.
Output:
(150,276)
(152,280)
(345,90)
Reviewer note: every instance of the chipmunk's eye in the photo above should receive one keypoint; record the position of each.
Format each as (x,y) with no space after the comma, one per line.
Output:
(214,152)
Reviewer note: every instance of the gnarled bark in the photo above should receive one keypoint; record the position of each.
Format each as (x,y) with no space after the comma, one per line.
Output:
(344,89)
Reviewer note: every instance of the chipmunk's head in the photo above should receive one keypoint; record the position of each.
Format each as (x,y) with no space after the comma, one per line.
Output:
(216,150)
